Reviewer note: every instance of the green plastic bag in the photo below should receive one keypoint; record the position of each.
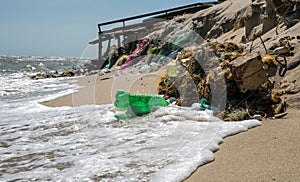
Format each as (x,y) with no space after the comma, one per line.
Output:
(137,104)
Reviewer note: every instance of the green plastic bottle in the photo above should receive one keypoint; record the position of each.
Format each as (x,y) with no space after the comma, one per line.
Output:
(138,104)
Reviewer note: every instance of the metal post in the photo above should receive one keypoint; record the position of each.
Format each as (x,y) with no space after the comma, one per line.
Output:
(108,47)
(100,46)
(119,41)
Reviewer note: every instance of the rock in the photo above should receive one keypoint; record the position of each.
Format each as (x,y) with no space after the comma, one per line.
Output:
(248,72)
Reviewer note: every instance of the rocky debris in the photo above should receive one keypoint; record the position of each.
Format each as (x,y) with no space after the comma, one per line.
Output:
(259,18)
(56,74)
(256,17)
(249,72)
(90,67)
(237,68)
(248,90)
(288,11)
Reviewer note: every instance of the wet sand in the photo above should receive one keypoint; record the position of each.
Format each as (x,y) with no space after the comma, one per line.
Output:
(101,89)
(270,152)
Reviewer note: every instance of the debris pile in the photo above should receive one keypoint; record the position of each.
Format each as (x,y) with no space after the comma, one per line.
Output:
(249,91)
(288,11)
(236,83)
(228,78)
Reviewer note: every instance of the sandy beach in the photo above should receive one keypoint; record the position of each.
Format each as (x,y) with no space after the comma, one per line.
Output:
(225,74)
(101,89)
(269,152)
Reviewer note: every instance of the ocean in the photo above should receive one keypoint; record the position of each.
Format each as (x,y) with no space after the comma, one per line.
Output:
(87,143)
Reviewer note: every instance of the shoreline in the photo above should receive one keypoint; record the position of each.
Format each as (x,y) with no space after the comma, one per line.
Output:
(264,153)
(269,152)
(101,89)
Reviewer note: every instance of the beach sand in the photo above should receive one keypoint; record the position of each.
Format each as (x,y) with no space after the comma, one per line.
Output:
(101,89)
(269,152)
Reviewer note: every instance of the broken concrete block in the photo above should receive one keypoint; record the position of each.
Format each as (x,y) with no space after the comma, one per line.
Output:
(248,72)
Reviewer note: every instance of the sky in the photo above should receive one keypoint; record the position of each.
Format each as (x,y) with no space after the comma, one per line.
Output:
(64,27)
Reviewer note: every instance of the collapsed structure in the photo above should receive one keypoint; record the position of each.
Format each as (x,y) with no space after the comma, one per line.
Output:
(236,80)
(233,58)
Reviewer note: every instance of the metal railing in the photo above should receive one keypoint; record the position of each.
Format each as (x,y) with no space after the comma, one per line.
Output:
(162,13)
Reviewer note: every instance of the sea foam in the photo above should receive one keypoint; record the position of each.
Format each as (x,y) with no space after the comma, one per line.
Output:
(87,143)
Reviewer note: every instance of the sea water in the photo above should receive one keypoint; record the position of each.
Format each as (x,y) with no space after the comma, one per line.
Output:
(87,143)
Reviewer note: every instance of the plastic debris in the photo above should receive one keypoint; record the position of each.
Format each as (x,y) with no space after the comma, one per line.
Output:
(249,92)
(205,103)
(137,104)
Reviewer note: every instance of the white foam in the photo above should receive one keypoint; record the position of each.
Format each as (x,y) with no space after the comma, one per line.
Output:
(202,139)
(167,145)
